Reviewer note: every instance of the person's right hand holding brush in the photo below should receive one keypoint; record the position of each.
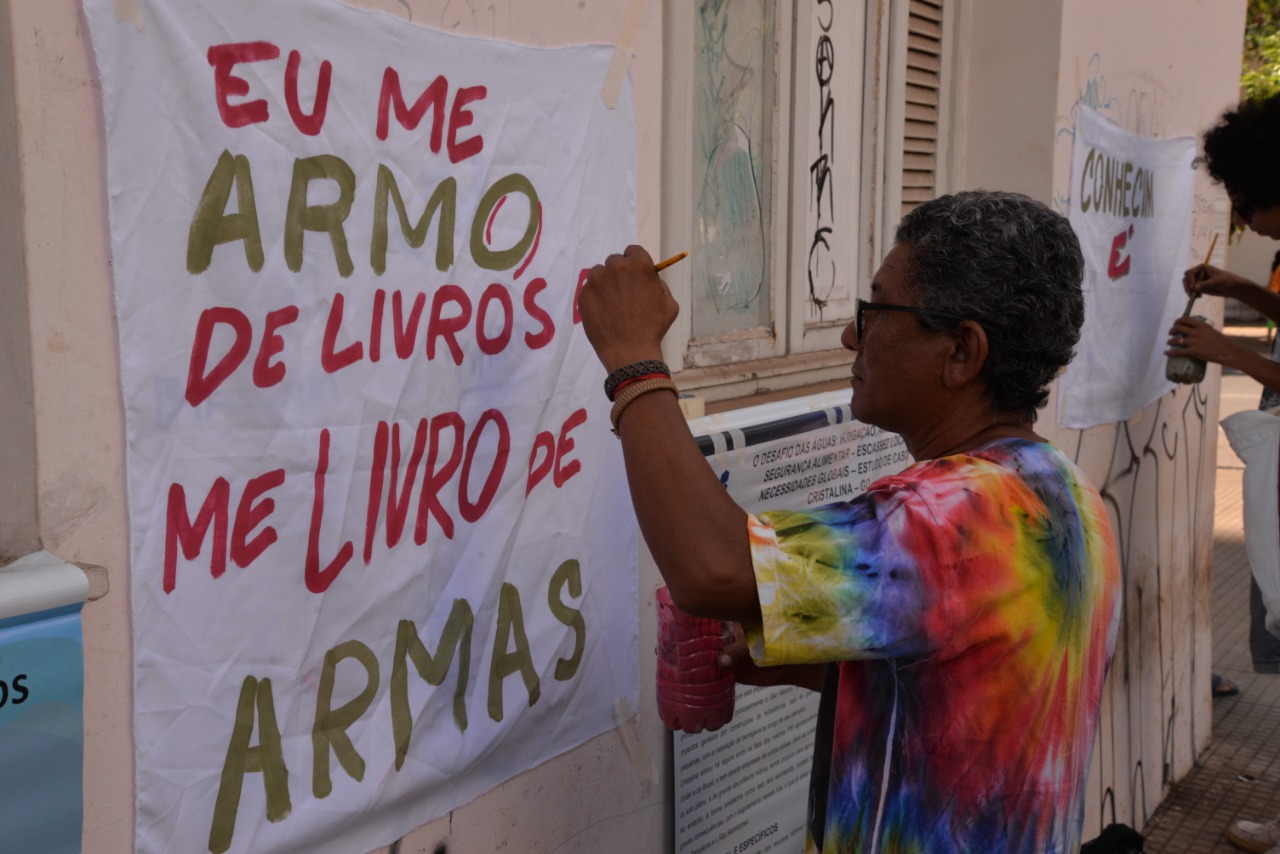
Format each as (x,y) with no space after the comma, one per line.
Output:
(1192,337)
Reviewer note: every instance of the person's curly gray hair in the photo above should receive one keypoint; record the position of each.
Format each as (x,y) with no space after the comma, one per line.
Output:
(1014,266)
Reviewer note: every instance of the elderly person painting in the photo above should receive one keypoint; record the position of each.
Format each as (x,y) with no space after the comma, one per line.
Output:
(958,617)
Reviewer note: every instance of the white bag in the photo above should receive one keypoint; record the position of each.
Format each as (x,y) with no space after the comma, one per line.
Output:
(1255,437)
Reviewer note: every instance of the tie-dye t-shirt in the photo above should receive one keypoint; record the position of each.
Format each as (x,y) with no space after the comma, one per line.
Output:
(971,603)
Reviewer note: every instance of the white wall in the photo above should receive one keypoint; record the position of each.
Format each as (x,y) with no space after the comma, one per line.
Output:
(1007,68)
(1251,256)
(18,534)
(1170,67)
(76,454)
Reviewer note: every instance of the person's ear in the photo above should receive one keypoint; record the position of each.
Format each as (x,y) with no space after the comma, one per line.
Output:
(966,356)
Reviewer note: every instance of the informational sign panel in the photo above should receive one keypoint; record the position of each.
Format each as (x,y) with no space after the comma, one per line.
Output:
(743,789)
(42,731)
(1131,208)
(376,561)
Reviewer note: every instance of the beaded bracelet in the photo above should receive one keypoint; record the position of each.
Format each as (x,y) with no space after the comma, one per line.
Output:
(633,371)
(634,390)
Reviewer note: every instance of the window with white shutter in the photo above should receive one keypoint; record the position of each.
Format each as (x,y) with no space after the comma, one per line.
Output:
(796,134)
(922,100)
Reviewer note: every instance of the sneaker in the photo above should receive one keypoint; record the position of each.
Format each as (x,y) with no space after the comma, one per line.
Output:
(1254,836)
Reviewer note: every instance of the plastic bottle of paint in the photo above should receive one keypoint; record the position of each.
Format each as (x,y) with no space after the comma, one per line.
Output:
(1185,369)
(694,693)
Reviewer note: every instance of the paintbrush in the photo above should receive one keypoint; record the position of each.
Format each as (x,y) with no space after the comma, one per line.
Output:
(1201,274)
(662,265)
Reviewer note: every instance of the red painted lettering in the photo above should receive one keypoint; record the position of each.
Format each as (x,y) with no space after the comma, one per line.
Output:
(249,514)
(406,332)
(180,529)
(432,98)
(448,327)
(543,443)
(1118,262)
(473,510)
(492,346)
(375,330)
(266,374)
(380,439)
(317,579)
(540,339)
(201,384)
(460,117)
(553,454)
(333,361)
(398,500)
(435,479)
(565,471)
(308,124)
(223,58)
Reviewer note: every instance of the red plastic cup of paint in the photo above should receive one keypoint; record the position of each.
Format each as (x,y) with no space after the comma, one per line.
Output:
(694,693)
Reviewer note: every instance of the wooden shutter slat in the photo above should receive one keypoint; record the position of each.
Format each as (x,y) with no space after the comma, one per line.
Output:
(914,162)
(921,113)
(923,44)
(915,77)
(925,95)
(924,61)
(922,9)
(921,130)
(923,27)
(920,145)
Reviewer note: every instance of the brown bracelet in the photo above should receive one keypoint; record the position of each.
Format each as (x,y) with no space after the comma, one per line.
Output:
(631,371)
(634,390)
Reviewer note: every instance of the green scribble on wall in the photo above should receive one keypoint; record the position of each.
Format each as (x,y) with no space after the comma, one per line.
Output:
(733,131)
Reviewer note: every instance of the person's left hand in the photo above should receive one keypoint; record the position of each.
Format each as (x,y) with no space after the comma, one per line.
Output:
(626,309)
(1191,337)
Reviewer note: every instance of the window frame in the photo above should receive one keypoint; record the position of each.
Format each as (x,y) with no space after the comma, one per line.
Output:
(799,349)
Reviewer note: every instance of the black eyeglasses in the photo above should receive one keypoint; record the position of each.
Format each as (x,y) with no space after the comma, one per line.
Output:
(864,305)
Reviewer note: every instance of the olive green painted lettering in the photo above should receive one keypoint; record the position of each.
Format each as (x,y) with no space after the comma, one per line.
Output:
(330,730)
(212,226)
(267,758)
(456,637)
(444,200)
(570,573)
(508,258)
(503,663)
(302,217)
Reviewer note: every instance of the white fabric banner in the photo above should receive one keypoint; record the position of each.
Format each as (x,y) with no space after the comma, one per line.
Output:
(1131,208)
(382,556)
